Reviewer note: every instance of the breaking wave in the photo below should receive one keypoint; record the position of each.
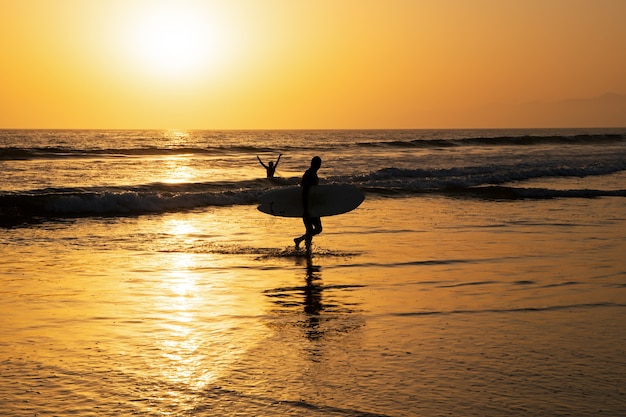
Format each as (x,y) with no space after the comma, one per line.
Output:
(489,182)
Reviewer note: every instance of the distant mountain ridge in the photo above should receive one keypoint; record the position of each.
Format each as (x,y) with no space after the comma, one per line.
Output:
(607,110)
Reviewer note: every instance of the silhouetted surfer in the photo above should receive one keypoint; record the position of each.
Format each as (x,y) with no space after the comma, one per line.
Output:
(270,168)
(313,225)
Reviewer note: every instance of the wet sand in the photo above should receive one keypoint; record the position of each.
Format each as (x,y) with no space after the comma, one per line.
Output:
(409,306)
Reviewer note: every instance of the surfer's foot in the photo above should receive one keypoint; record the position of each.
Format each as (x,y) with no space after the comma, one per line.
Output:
(297,242)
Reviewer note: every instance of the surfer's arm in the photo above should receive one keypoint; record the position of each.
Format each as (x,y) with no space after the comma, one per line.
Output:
(278,160)
(261,162)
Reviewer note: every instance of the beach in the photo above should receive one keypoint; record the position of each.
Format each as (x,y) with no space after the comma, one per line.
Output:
(456,288)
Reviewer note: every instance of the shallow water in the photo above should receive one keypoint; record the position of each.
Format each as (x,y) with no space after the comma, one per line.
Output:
(483,275)
(408,306)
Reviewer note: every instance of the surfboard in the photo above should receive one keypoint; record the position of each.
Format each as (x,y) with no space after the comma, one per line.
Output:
(324,200)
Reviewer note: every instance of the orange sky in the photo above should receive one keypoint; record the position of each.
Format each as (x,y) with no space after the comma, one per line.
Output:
(284,64)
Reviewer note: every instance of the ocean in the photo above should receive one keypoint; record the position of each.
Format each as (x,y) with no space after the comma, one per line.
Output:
(483,275)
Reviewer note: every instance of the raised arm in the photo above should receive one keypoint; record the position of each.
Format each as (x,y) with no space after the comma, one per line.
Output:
(261,162)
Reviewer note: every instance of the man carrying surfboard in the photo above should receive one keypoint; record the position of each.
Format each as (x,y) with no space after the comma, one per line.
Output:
(313,225)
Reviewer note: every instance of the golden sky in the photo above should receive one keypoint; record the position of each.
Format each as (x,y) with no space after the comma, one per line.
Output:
(324,64)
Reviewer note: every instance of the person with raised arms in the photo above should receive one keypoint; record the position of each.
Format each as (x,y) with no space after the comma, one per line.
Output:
(270,168)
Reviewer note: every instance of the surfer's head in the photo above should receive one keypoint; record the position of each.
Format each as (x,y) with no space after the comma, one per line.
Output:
(316,162)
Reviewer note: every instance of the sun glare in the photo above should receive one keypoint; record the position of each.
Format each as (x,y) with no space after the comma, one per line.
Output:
(175,39)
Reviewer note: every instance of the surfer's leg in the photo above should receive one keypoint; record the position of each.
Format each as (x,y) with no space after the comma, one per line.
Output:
(314,227)
(305,236)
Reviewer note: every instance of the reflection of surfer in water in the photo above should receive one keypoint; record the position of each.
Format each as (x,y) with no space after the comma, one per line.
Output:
(270,168)
(313,225)
(313,305)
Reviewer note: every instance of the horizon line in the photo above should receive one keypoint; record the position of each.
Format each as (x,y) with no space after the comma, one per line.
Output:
(313,129)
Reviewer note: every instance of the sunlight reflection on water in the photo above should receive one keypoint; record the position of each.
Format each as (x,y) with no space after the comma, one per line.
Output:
(177,170)
(202,308)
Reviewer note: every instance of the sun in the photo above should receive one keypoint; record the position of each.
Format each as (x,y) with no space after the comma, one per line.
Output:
(174,39)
